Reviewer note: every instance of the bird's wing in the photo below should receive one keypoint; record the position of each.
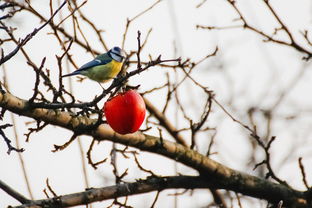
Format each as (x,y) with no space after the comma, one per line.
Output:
(99,60)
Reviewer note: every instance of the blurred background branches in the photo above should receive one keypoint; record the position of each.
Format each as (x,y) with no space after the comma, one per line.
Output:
(226,89)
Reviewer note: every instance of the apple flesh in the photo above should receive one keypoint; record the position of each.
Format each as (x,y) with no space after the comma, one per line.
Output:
(125,112)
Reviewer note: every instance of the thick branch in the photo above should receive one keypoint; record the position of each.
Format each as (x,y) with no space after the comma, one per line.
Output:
(221,175)
(125,189)
(19,197)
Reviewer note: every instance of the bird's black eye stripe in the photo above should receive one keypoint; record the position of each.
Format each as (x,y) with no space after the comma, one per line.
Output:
(116,54)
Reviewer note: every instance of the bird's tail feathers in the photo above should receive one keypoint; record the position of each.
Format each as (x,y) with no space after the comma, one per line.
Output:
(71,74)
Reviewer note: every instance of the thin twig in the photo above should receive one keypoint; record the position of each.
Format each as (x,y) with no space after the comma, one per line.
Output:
(29,36)
(304,177)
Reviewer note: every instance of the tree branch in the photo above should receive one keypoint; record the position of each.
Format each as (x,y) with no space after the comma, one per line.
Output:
(125,189)
(29,36)
(19,197)
(165,122)
(222,176)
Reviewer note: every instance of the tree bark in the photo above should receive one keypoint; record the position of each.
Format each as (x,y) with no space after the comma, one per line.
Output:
(220,176)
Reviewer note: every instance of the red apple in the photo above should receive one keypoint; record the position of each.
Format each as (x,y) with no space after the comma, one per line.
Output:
(125,112)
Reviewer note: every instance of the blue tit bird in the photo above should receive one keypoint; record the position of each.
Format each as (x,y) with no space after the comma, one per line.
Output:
(104,67)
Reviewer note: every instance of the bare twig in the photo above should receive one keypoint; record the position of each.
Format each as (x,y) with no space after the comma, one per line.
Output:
(7,140)
(62,147)
(155,200)
(165,122)
(17,139)
(50,188)
(304,177)
(28,37)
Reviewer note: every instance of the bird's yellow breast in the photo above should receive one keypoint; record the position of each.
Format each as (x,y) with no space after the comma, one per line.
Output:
(104,73)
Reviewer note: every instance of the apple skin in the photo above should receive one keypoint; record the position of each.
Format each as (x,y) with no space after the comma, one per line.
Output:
(125,112)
